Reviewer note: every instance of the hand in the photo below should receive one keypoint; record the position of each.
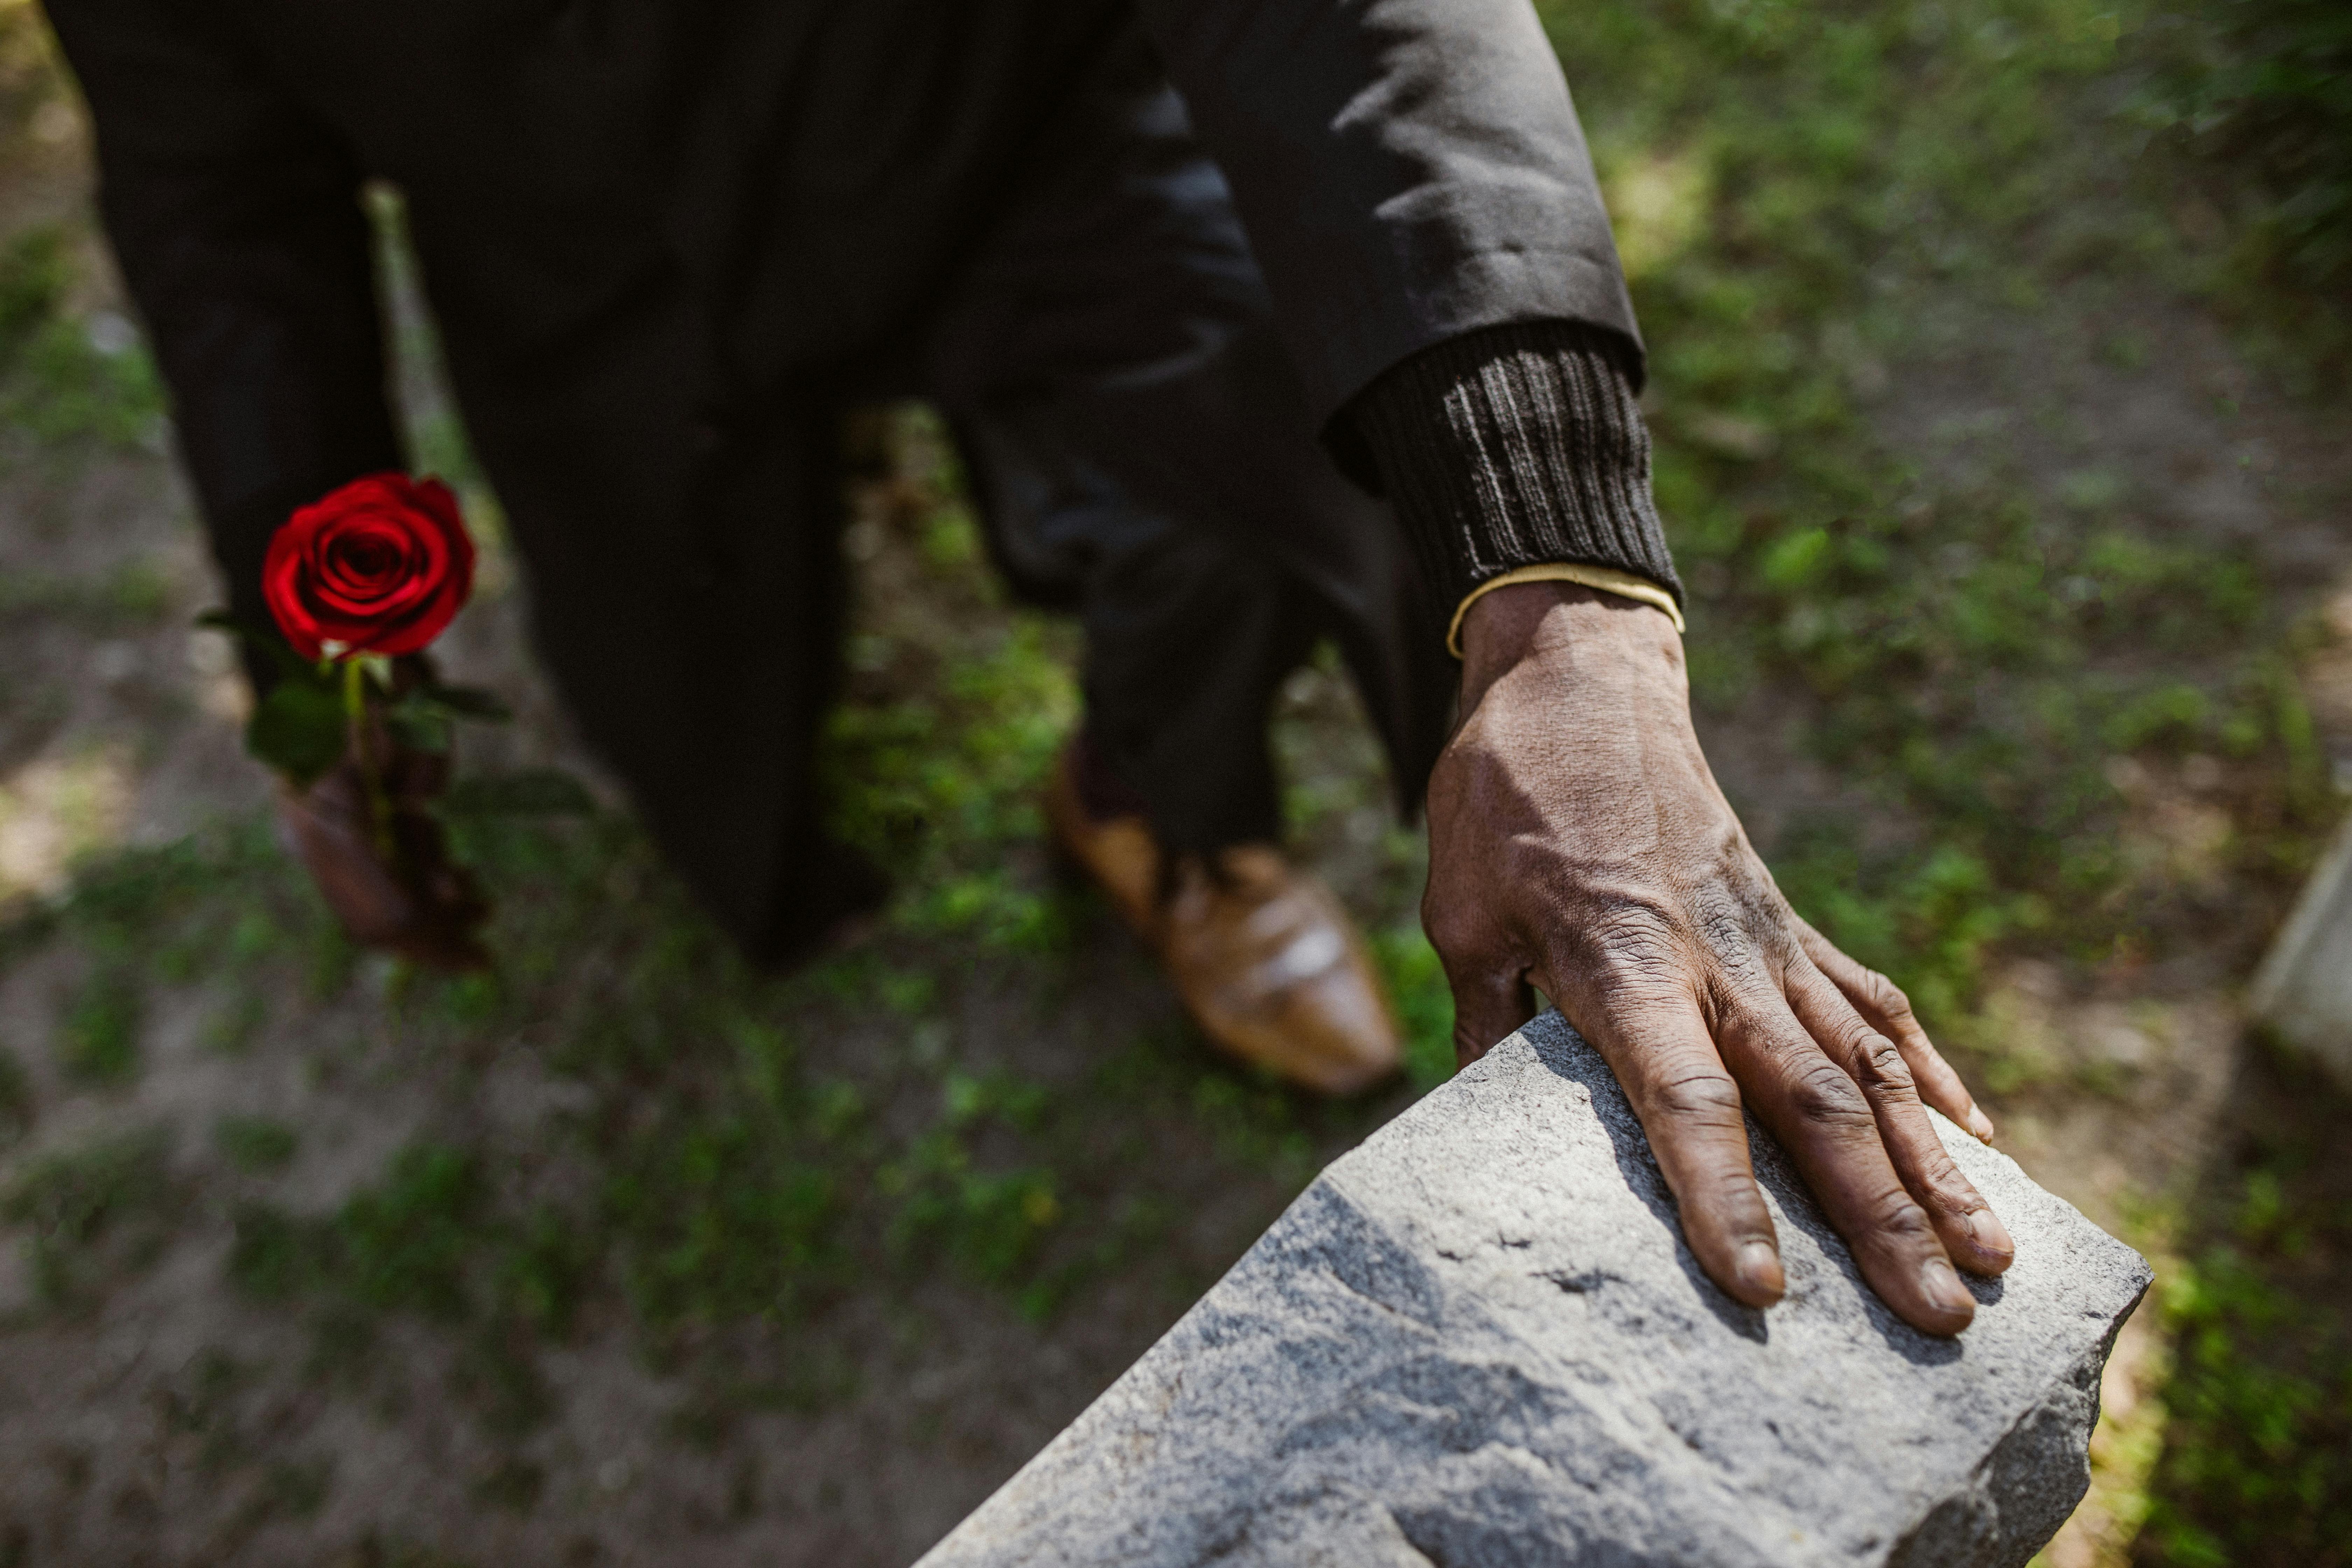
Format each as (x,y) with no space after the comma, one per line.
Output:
(1579,842)
(417,903)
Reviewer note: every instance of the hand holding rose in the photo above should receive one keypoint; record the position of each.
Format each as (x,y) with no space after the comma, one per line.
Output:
(360,581)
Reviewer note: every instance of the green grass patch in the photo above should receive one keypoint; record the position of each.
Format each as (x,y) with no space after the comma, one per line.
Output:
(1795,184)
(98,1038)
(93,1215)
(1979,641)
(64,378)
(255,1145)
(2259,92)
(2257,1467)
(18,1106)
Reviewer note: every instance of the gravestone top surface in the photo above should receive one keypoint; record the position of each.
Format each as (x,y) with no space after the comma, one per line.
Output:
(1478,1338)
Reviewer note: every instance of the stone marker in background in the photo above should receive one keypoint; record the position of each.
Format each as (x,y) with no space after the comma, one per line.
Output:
(1478,1340)
(2303,989)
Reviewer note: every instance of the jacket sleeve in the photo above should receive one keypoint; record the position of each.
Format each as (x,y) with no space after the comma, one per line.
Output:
(1516,446)
(1408,171)
(235,214)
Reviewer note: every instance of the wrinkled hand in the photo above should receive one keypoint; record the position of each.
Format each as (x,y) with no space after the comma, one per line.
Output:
(1579,842)
(417,903)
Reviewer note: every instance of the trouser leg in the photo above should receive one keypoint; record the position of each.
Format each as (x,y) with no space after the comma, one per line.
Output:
(1188,634)
(1110,357)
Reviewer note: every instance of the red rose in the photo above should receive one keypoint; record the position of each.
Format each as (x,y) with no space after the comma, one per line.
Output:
(378,566)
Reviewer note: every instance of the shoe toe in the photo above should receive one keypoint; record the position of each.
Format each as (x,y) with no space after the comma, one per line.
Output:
(1273,973)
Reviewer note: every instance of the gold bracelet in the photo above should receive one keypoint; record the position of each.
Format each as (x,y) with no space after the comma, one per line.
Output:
(1608,579)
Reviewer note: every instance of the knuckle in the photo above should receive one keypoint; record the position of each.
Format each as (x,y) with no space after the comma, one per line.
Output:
(1635,931)
(1705,1097)
(1895,1216)
(1635,947)
(1950,1193)
(1885,996)
(1882,1064)
(1822,1093)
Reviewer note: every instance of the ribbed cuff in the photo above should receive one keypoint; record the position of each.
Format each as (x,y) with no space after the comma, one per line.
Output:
(1516,446)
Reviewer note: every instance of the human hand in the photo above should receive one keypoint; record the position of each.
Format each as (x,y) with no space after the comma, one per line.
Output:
(391,884)
(1579,842)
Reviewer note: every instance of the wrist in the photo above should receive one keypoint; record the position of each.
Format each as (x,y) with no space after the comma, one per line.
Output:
(1587,635)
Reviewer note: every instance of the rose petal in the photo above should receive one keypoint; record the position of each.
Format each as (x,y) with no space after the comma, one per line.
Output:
(379,566)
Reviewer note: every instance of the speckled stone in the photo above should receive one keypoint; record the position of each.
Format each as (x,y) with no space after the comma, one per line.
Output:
(1478,1340)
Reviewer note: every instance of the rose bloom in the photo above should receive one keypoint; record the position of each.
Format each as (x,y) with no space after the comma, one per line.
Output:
(376,567)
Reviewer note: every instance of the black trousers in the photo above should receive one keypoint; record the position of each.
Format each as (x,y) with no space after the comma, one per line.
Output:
(1140,450)
(1187,634)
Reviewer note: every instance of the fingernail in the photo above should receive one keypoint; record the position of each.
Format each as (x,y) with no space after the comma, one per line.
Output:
(1990,1235)
(1980,1125)
(1945,1290)
(1760,1269)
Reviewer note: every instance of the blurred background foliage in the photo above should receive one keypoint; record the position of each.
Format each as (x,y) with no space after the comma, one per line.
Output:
(1971,640)
(2264,89)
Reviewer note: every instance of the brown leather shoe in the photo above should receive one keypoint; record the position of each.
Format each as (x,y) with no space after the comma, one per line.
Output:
(1264,956)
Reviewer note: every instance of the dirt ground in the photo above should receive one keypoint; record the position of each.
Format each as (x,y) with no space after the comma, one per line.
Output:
(173,1417)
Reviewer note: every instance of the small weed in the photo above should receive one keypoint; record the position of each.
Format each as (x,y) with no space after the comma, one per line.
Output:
(2255,89)
(988,1224)
(1254,1124)
(2258,1459)
(61,378)
(98,1038)
(512,1484)
(718,1222)
(374,1551)
(94,1213)
(403,1243)
(203,1406)
(269,1260)
(131,596)
(231,1030)
(17,1102)
(293,1489)
(35,274)
(255,1145)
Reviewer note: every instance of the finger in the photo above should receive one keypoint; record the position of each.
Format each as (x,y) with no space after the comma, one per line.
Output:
(1971,1233)
(1820,1117)
(1881,1001)
(1488,1004)
(1487,976)
(1689,1107)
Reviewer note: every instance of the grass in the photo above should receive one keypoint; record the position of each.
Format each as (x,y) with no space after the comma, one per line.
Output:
(1980,649)
(65,378)
(1993,652)
(255,1145)
(2260,1407)
(2261,91)
(2256,1468)
(98,1038)
(92,1215)
(17,1105)
(717,1176)
(747,1175)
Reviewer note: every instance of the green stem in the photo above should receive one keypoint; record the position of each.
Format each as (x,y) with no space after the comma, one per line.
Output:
(379,808)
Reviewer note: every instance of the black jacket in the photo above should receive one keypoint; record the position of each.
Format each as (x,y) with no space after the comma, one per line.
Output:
(661,238)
